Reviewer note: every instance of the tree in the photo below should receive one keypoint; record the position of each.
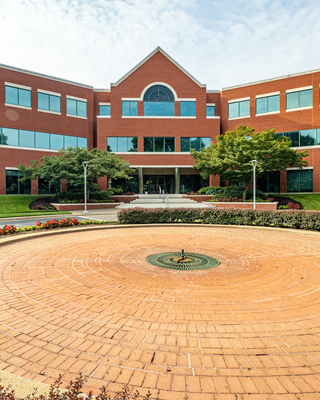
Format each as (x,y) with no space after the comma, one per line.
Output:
(68,165)
(231,156)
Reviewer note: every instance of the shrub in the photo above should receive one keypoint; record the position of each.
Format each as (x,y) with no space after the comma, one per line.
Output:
(69,197)
(296,219)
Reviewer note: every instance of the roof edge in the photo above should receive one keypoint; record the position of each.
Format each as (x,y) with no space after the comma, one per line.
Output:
(147,58)
(53,78)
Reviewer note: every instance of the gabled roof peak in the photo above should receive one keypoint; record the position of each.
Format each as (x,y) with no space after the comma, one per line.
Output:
(158,49)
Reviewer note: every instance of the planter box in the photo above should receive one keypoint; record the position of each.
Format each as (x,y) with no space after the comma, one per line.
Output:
(125,198)
(199,197)
(80,206)
(243,206)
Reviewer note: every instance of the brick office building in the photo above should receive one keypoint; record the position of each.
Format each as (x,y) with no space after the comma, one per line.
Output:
(151,117)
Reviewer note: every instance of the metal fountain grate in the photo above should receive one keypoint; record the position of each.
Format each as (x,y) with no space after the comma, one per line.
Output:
(183,261)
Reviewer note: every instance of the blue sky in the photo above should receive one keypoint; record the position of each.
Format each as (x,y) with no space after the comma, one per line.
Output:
(220,42)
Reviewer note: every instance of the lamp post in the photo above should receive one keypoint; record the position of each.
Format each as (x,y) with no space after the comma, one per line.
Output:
(254,164)
(85,165)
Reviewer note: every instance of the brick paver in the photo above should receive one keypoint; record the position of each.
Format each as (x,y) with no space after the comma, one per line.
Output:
(89,302)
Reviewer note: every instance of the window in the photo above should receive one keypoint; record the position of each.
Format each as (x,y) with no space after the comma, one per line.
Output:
(130,108)
(194,143)
(40,140)
(309,137)
(300,181)
(17,96)
(211,111)
(122,144)
(48,102)
(187,108)
(268,104)
(190,183)
(158,144)
(14,186)
(299,99)
(76,107)
(105,110)
(158,101)
(269,182)
(239,109)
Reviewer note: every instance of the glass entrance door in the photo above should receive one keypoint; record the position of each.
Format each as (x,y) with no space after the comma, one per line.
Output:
(156,183)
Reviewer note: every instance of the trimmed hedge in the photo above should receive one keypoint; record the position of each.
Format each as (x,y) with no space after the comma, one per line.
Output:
(69,196)
(285,219)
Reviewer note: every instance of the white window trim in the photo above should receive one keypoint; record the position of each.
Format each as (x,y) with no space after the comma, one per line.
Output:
(268,113)
(211,104)
(259,96)
(76,98)
(187,100)
(17,86)
(76,116)
(299,89)
(4,146)
(213,116)
(300,108)
(317,146)
(238,100)
(158,116)
(104,104)
(49,111)
(103,116)
(298,169)
(17,106)
(50,93)
(246,116)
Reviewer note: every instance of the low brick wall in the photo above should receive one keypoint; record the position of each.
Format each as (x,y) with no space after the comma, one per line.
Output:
(199,198)
(243,206)
(80,206)
(125,198)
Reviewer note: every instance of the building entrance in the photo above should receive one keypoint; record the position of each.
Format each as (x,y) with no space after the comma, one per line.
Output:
(153,183)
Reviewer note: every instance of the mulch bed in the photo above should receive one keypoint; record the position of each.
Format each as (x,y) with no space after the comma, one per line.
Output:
(283,201)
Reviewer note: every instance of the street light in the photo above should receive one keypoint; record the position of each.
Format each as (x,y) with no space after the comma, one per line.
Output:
(85,165)
(254,164)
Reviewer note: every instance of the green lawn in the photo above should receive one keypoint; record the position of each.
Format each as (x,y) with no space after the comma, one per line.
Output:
(18,206)
(309,201)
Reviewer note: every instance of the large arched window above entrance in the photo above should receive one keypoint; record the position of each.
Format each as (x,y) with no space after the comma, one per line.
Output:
(158,100)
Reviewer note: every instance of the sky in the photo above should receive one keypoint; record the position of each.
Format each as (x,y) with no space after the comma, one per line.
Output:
(222,43)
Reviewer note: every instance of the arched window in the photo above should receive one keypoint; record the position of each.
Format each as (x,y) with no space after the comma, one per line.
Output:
(158,100)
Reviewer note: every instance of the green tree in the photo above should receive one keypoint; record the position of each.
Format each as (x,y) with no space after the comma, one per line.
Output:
(231,156)
(68,165)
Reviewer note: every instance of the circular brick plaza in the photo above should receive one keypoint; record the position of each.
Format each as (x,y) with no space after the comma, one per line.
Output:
(88,301)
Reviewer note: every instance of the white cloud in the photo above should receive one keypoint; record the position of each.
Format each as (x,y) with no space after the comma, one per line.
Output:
(220,43)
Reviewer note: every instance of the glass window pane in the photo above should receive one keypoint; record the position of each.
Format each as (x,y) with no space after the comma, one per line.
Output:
(195,143)
(169,143)
(55,103)
(306,180)
(158,107)
(308,137)
(292,100)
(306,98)
(104,110)
(294,137)
(12,136)
(274,182)
(192,108)
(125,108)
(11,95)
(183,108)
(210,111)
(205,142)
(122,144)
(292,181)
(56,141)
(233,110)
(318,137)
(71,107)
(12,182)
(81,108)
(24,187)
(132,144)
(43,101)
(147,108)
(185,144)
(169,108)
(148,144)
(159,144)
(70,141)
(244,108)
(42,140)
(262,105)
(133,108)
(82,142)
(24,98)
(112,144)
(273,103)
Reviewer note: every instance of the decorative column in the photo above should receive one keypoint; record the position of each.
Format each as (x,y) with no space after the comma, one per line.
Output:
(177,176)
(140,180)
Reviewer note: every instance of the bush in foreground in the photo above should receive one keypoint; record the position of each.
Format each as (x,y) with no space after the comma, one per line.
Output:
(286,219)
